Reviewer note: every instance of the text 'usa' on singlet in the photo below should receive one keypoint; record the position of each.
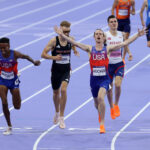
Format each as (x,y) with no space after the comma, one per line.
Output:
(99,62)
(65,51)
(123,9)
(114,56)
(8,66)
(148,14)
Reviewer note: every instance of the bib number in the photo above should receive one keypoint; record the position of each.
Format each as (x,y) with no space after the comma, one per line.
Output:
(65,60)
(115,54)
(123,12)
(7,75)
(99,71)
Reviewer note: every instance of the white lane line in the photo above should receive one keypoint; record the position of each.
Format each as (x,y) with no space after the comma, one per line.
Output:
(17,5)
(89,130)
(137,64)
(59,148)
(50,18)
(33,11)
(146,130)
(87,101)
(53,148)
(28,98)
(147,105)
(54,126)
(83,129)
(122,129)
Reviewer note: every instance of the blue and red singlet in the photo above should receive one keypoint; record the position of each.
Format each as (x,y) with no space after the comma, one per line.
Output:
(99,70)
(99,62)
(8,71)
(8,66)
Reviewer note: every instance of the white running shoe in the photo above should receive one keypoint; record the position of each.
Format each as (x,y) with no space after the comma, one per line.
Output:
(62,123)
(8,131)
(56,118)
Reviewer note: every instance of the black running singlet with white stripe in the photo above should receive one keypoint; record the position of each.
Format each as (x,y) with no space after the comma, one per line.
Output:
(65,51)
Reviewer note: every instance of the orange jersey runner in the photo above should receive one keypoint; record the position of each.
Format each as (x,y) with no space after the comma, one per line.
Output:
(123,9)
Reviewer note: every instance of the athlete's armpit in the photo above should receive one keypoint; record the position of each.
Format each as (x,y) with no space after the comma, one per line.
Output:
(49,47)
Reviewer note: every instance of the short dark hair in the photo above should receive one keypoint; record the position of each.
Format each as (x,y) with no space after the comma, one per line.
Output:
(65,24)
(4,40)
(110,17)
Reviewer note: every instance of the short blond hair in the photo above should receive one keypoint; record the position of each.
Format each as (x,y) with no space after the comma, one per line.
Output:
(65,24)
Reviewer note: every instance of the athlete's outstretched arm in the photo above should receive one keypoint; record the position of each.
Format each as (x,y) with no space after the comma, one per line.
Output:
(114,7)
(133,7)
(70,40)
(75,49)
(126,49)
(23,56)
(141,12)
(127,42)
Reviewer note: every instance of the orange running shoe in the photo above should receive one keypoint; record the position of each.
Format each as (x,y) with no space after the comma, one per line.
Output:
(117,110)
(102,129)
(112,113)
(99,118)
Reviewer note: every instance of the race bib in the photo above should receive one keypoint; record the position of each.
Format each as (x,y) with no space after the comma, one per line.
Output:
(99,71)
(65,60)
(7,75)
(115,54)
(149,14)
(123,12)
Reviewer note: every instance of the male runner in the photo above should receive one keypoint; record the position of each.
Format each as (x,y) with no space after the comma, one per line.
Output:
(99,79)
(123,10)
(61,54)
(116,64)
(146,5)
(9,79)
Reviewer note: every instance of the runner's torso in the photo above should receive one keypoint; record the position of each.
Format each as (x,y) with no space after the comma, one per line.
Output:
(123,9)
(8,66)
(65,51)
(114,56)
(148,13)
(99,62)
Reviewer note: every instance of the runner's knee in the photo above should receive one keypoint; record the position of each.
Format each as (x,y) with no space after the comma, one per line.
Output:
(63,90)
(5,107)
(148,44)
(17,106)
(96,105)
(101,101)
(117,84)
(4,100)
(56,92)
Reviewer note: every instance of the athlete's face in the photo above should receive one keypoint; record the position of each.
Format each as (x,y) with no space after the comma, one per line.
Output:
(99,36)
(66,30)
(4,47)
(113,24)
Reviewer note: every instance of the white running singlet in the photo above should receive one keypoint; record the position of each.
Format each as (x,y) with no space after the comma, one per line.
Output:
(114,56)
